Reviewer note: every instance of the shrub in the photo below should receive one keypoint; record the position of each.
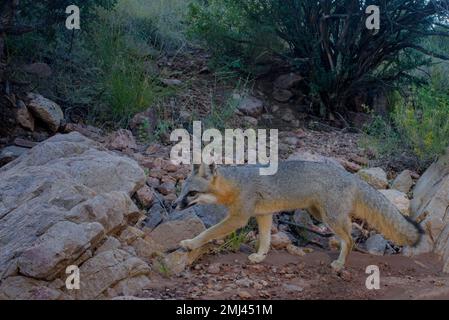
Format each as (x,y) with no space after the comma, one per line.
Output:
(326,40)
(423,119)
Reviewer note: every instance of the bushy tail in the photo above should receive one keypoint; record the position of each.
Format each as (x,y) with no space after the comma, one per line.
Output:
(382,215)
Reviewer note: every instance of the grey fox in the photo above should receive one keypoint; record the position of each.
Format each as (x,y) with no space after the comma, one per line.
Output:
(329,193)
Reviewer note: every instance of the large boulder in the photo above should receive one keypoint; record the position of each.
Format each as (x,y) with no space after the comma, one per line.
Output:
(376,177)
(58,202)
(399,199)
(430,205)
(46,110)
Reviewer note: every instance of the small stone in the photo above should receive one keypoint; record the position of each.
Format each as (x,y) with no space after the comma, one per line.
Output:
(296,251)
(24,117)
(282,95)
(280,240)
(171,82)
(403,182)
(376,245)
(376,177)
(292,288)
(166,188)
(214,268)
(250,120)
(249,105)
(244,294)
(145,196)
(121,140)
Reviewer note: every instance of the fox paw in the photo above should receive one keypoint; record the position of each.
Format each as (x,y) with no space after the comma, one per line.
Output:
(188,245)
(337,266)
(257,258)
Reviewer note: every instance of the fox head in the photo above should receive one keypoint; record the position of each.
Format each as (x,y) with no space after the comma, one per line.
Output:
(198,187)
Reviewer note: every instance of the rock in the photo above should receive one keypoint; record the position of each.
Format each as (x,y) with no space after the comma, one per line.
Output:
(166,188)
(10,153)
(86,130)
(154,216)
(296,251)
(282,95)
(46,110)
(244,294)
(171,233)
(292,288)
(210,214)
(106,270)
(376,245)
(147,248)
(111,243)
(171,82)
(214,268)
(376,177)
(350,166)
(129,287)
(403,182)
(24,117)
(430,205)
(249,105)
(42,70)
(288,81)
(121,140)
(177,261)
(250,121)
(23,288)
(61,245)
(59,202)
(399,199)
(130,234)
(280,240)
(144,122)
(145,196)
(113,210)
(307,156)
(24,143)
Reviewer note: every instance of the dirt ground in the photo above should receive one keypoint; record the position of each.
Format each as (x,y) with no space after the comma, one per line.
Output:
(284,276)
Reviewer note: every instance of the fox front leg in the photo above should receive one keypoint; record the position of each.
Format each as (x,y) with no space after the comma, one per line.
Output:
(220,230)
(264,223)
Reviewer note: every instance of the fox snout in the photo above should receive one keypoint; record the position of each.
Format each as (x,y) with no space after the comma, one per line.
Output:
(180,204)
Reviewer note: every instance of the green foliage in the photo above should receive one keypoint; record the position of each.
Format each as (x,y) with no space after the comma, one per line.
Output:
(418,126)
(100,73)
(326,40)
(423,119)
(225,29)
(234,241)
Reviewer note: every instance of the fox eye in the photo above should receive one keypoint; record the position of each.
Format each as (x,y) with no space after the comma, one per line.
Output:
(192,193)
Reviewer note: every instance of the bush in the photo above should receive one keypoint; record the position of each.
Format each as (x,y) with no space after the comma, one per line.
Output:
(326,40)
(423,119)
(417,128)
(225,29)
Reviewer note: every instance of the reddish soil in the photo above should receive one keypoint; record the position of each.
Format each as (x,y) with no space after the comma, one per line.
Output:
(284,276)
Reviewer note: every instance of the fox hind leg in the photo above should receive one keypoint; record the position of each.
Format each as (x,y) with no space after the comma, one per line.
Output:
(264,223)
(342,228)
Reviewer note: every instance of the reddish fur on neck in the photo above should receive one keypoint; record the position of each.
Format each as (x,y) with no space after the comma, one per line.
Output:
(225,192)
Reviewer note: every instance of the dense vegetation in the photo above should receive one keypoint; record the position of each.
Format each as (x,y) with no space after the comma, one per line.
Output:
(104,73)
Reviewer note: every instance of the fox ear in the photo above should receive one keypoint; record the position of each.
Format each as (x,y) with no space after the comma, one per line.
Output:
(213,169)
